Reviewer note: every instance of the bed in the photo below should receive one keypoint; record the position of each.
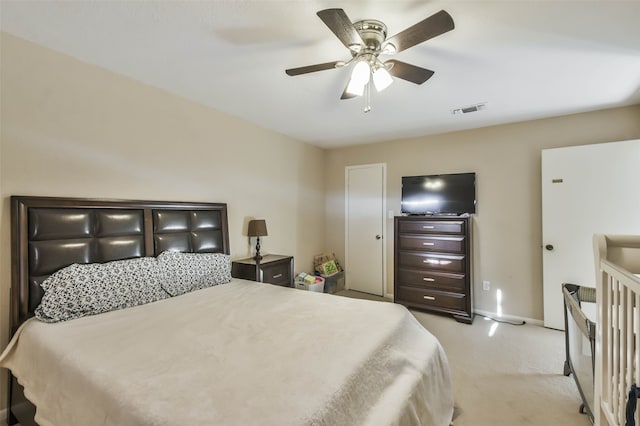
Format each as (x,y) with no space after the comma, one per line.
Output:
(237,353)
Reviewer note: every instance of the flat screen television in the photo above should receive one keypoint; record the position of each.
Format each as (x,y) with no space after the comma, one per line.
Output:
(447,194)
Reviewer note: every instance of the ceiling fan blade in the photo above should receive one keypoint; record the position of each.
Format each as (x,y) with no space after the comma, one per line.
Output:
(312,68)
(338,22)
(409,72)
(424,30)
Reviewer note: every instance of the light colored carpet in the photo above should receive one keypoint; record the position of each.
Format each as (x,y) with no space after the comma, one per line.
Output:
(513,377)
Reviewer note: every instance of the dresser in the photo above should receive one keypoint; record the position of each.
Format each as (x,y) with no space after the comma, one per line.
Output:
(272,268)
(432,264)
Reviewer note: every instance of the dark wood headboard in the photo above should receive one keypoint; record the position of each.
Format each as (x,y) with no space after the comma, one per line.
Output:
(49,233)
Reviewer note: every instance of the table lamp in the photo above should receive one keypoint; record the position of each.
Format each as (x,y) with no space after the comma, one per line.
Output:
(257,228)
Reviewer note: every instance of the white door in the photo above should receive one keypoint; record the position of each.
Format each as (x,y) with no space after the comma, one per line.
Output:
(364,251)
(585,190)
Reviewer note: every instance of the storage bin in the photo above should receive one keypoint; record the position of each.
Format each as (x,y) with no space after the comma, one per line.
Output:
(331,282)
(317,287)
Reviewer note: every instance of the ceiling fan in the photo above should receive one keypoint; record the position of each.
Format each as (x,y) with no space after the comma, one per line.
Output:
(366,41)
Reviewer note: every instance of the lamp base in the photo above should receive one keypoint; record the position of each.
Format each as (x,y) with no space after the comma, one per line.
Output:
(257,257)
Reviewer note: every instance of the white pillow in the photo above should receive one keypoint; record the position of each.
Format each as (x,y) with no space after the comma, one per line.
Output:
(185,272)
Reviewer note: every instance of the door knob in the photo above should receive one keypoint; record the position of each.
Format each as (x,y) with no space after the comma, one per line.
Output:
(549,247)
(378,237)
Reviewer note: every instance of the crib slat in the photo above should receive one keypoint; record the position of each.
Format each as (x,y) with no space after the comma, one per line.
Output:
(622,351)
(636,328)
(615,348)
(608,352)
(629,349)
(620,355)
(636,352)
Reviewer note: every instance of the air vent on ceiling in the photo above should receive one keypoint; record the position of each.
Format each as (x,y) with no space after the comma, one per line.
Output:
(468,109)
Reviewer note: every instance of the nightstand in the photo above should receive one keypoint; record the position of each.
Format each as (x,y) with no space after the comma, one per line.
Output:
(272,268)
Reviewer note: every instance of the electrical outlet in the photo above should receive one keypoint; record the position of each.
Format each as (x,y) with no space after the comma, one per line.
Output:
(486,285)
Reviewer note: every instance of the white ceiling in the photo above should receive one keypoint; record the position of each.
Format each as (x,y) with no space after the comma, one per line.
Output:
(525,59)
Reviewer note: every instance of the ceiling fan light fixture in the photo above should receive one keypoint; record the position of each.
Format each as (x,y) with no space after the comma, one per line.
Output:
(361,73)
(367,40)
(354,88)
(382,79)
(360,77)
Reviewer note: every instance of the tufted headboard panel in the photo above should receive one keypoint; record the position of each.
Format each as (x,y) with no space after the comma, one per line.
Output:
(50,233)
(188,231)
(59,237)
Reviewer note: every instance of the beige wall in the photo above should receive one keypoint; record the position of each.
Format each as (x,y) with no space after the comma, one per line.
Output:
(508,224)
(72,129)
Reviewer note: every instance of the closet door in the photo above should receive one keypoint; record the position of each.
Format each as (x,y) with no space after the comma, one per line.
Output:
(364,239)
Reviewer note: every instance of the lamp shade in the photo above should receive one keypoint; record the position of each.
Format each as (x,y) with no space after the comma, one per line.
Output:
(359,78)
(361,73)
(257,228)
(382,79)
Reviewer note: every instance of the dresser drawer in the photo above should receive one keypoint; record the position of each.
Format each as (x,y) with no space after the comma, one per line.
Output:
(432,280)
(432,298)
(432,226)
(435,262)
(276,273)
(453,244)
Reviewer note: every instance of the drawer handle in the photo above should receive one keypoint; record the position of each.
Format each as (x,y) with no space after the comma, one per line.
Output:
(277,276)
(428,244)
(428,279)
(436,262)
(429,297)
(428,227)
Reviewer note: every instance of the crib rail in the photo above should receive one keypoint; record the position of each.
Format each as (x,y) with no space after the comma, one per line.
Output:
(618,322)
(580,331)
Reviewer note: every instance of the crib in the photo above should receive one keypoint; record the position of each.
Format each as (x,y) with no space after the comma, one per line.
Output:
(617,354)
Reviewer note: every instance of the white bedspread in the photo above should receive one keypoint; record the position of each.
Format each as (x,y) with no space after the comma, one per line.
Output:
(242,353)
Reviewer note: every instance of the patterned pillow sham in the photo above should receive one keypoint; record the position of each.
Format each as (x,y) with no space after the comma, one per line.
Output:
(185,272)
(87,289)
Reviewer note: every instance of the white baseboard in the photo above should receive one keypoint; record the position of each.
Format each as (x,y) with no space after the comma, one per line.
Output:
(509,317)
